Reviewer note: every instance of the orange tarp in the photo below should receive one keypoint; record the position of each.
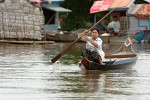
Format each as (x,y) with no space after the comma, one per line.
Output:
(143,12)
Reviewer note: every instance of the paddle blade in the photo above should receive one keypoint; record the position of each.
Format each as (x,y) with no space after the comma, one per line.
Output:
(64,51)
(56,58)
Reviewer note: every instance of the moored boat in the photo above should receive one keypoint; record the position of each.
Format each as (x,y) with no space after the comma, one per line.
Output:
(72,36)
(123,58)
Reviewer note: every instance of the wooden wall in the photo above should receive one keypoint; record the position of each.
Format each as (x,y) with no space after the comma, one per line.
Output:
(20,20)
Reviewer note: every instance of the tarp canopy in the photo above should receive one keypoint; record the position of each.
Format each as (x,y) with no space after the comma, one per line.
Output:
(99,6)
(55,1)
(104,5)
(120,3)
(50,1)
(133,9)
(140,11)
(143,11)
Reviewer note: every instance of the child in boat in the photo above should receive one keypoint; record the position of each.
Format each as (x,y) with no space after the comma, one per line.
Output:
(93,51)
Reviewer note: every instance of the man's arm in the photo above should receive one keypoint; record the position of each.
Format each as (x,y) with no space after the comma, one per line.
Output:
(91,41)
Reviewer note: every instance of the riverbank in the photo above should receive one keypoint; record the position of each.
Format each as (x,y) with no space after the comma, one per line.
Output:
(27,42)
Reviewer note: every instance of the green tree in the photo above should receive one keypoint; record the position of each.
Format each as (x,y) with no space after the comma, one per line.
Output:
(79,15)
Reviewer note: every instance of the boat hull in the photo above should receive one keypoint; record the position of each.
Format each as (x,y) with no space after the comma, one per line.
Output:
(123,58)
(109,65)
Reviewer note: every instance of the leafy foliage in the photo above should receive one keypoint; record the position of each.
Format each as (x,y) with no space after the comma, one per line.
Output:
(80,13)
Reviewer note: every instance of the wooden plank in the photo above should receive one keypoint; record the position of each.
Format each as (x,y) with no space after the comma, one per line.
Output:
(27,42)
(120,56)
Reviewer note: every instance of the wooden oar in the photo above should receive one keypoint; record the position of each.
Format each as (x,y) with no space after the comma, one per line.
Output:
(69,46)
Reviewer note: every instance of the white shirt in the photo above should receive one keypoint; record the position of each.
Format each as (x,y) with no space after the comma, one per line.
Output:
(89,46)
(115,25)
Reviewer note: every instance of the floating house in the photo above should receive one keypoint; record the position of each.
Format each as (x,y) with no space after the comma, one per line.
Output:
(119,8)
(125,10)
(20,20)
(139,16)
(28,19)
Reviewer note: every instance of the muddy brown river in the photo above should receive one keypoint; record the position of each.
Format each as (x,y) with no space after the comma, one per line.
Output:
(26,73)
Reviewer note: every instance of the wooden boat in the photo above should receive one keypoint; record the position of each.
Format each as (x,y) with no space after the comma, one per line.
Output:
(123,58)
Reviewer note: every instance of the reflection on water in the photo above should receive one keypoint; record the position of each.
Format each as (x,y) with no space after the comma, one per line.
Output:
(27,73)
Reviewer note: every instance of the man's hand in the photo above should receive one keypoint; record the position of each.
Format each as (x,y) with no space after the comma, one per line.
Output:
(86,38)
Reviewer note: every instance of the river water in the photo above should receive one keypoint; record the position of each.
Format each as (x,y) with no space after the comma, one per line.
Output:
(26,73)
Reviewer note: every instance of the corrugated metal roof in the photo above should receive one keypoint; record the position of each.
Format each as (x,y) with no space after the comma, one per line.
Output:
(133,9)
(56,0)
(57,9)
